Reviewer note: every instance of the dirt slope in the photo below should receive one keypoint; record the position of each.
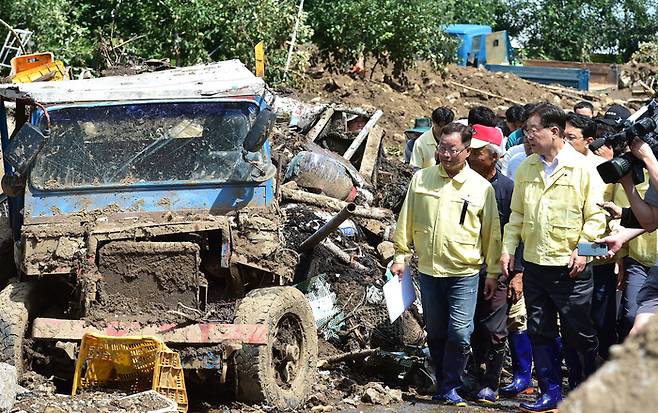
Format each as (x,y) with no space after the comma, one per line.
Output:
(427,89)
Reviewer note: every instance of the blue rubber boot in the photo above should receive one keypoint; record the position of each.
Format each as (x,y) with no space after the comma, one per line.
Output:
(454,363)
(549,373)
(521,352)
(487,395)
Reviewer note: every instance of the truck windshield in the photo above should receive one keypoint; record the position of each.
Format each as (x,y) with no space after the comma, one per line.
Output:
(148,142)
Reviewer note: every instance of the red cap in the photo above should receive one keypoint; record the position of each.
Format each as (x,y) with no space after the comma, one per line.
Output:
(484,135)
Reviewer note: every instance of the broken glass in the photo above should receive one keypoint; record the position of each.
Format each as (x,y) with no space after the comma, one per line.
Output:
(129,144)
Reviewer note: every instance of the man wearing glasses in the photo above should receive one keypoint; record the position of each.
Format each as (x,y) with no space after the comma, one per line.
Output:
(554,207)
(580,131)
(450,219)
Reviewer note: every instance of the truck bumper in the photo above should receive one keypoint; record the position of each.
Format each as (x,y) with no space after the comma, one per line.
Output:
(205,334)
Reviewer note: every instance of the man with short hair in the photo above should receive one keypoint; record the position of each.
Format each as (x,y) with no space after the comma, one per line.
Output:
(449,217)
(422,155)
(580,132)
(482,115)
(490,334)
(584,108)
(554,207)
(514,117)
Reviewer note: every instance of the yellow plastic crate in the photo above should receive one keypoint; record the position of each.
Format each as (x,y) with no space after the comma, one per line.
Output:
(131,364)
(168,378)
(50,71)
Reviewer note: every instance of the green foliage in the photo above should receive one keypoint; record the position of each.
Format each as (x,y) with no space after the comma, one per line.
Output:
(86,33)
(574,30)
(478,12)
(383,31)
(188,32)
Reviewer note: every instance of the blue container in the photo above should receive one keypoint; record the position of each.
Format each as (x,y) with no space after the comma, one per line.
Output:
(473,42)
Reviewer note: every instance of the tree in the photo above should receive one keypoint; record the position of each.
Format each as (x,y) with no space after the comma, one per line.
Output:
(574,30)
(384,31)
(187,32)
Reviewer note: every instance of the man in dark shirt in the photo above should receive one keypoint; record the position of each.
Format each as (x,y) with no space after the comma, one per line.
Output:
(490,335)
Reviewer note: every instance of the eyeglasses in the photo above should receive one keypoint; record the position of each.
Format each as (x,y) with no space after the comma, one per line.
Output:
(572,138)
(533,130)
(451,152)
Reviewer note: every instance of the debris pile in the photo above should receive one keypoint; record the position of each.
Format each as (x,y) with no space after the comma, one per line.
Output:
(459,88)
(343,274)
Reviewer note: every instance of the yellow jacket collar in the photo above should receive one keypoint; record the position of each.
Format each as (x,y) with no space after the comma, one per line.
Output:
(460,177)
(567,156)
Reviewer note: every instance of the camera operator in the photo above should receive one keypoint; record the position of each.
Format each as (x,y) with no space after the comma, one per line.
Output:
(611,122)
(645,210)
(645,214)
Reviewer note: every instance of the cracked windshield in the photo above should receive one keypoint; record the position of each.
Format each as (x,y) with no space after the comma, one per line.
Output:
(157,142)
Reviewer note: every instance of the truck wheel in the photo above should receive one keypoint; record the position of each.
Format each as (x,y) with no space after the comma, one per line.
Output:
(282,372)
(14,318)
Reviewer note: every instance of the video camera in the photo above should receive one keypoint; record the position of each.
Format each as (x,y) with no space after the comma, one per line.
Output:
(644,125)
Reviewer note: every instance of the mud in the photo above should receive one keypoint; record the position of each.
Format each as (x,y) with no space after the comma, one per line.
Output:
(626,383)
(44,402)
(392,182)
(144,277)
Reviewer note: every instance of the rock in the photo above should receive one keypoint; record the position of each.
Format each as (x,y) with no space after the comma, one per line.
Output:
(376,394)
(322,408)
(351,402)
(626,383)
(386,250)
(395,395)
(8,386)
(51,408)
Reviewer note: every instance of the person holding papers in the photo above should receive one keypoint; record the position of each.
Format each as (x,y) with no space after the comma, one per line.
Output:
(450,219)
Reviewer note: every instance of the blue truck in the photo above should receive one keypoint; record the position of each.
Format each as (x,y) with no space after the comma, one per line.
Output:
(479,45)
(144,205)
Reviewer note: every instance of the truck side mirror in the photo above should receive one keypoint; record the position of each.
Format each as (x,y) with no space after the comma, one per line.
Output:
(24,147)
(260,131)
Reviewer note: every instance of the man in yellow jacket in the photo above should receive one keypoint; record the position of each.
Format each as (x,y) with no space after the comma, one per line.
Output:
(424,149)
(450,219)
(554,207)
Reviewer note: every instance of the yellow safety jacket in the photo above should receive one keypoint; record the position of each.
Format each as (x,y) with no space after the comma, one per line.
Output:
(643,249)
(552,214)
(424,148)
(451,223)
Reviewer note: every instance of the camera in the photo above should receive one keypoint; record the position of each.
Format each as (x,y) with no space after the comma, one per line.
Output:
(643,125)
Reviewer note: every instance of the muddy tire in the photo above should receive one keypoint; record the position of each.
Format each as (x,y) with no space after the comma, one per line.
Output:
(14,319)
(282,372)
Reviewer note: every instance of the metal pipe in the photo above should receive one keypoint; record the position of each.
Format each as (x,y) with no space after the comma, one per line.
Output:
(331,225)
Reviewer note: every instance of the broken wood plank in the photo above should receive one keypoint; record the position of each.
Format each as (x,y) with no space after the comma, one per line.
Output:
(319,126)
(356,144)
(579,93)
(485,93)
(371,153)
(324,201)
(646,87)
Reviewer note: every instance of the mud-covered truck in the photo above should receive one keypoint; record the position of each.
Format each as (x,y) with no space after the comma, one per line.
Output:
(145,205)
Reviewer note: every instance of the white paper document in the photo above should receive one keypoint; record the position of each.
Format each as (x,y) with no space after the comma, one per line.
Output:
(399,295)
